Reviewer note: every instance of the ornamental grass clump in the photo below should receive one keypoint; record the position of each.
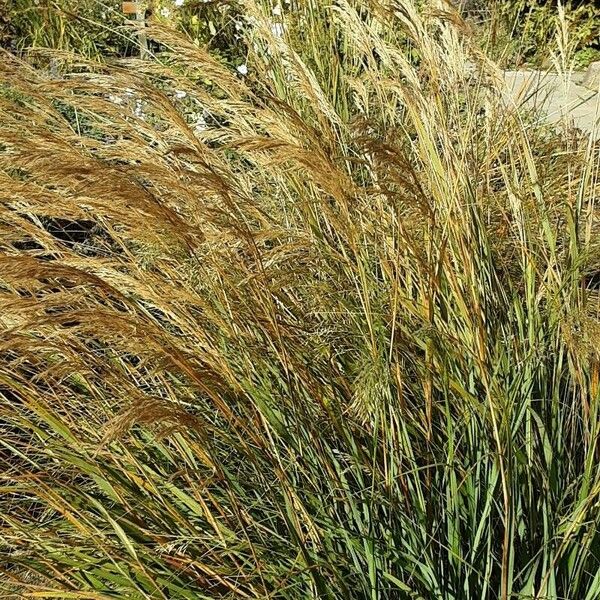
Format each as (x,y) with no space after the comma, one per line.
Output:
(339,342)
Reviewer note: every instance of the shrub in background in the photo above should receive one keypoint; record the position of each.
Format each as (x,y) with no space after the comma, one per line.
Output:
(91,28)
(98,28)
(523,31)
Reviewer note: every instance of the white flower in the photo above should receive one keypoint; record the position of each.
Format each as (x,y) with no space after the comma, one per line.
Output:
(179,2)
(243,69)
(277,10)
(180,94)
(200,125)
(165,12)
(277,29)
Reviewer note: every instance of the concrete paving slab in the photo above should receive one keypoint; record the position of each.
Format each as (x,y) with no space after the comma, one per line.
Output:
(591,78)
(557,97)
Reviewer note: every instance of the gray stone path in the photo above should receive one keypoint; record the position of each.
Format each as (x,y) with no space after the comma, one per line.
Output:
(557,98)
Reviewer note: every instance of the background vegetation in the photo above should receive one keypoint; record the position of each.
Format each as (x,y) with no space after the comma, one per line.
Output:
(98,28)
(318,324)
(514,31)
(523,31)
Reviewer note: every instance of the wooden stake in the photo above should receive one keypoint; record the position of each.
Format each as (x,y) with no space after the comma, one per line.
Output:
(136,8)
(141,19)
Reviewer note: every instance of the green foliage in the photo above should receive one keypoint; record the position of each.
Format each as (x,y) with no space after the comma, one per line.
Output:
(98,28)
(338,341)
(216,25)
(6,27)
(584,57)
(525,30)
(89,27)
